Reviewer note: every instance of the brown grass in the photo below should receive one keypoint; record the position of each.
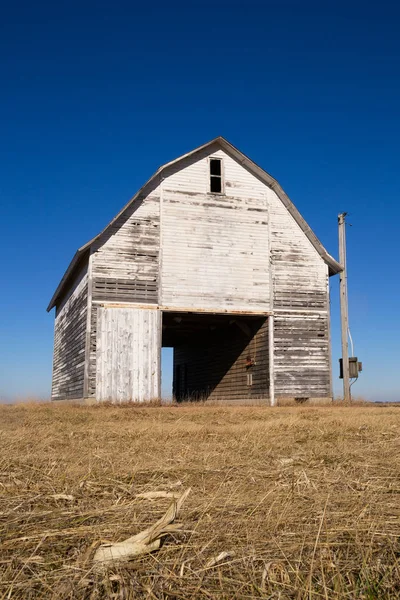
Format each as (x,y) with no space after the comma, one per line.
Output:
(306,498)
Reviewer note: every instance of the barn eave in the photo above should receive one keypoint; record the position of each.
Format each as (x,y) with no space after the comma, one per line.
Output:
(79,258)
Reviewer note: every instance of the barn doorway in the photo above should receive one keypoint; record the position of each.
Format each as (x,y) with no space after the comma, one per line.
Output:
(217,356)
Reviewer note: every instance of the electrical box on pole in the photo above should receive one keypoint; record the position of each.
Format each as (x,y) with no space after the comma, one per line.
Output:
(355,367)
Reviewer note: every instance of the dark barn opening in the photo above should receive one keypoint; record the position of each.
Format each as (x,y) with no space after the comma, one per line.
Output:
(217,356)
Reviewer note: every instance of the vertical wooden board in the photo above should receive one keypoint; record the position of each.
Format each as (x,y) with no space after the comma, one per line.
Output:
(122,371)
(126,381)
(134,356)
(157,357)
(99,349)
(145,381)
(328,316)
(86,384)
(140,347)
(271,360)
(102,328)
(117,339)
(127,353)
(110,366)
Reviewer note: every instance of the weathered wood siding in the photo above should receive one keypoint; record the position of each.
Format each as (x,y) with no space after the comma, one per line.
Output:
(125,266)
(302,366)
(215,368)
(69,341)
(92,351)
(214,246)
(125,260)
(301,307)
(298,271)
(127,354)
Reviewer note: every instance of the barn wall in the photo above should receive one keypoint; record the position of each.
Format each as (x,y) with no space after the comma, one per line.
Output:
(125,259)
(301,307)
(214,247)
(70,341)
(128,354)
(216,368)
(302,362)
(298,271)
(125,266)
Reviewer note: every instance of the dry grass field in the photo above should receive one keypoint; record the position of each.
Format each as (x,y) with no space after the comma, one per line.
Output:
(305,501)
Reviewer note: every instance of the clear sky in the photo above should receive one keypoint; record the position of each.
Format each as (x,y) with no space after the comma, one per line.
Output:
(95,96)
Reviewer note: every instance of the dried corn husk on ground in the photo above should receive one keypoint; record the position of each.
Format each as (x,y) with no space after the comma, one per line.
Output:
(146,541)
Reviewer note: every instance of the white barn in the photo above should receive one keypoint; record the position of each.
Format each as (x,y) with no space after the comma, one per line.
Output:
(210,257)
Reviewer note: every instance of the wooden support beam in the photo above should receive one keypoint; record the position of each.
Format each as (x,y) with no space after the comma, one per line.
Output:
(271,360)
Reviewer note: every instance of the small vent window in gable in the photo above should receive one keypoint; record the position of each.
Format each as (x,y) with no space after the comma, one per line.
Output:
(216,183)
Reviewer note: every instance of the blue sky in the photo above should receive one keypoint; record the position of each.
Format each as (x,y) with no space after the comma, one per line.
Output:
(95,96)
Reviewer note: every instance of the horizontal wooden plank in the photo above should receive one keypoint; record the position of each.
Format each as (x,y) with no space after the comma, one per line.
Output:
(69,342)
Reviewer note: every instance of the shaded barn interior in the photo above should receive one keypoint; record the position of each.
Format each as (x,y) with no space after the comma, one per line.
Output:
(217,356)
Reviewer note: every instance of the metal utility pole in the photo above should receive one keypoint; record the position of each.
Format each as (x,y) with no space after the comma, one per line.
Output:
(344,307)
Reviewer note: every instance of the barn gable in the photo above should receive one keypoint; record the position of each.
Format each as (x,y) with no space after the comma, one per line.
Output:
(177,165)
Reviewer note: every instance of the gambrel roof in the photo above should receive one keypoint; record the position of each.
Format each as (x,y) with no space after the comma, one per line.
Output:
(82,254)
